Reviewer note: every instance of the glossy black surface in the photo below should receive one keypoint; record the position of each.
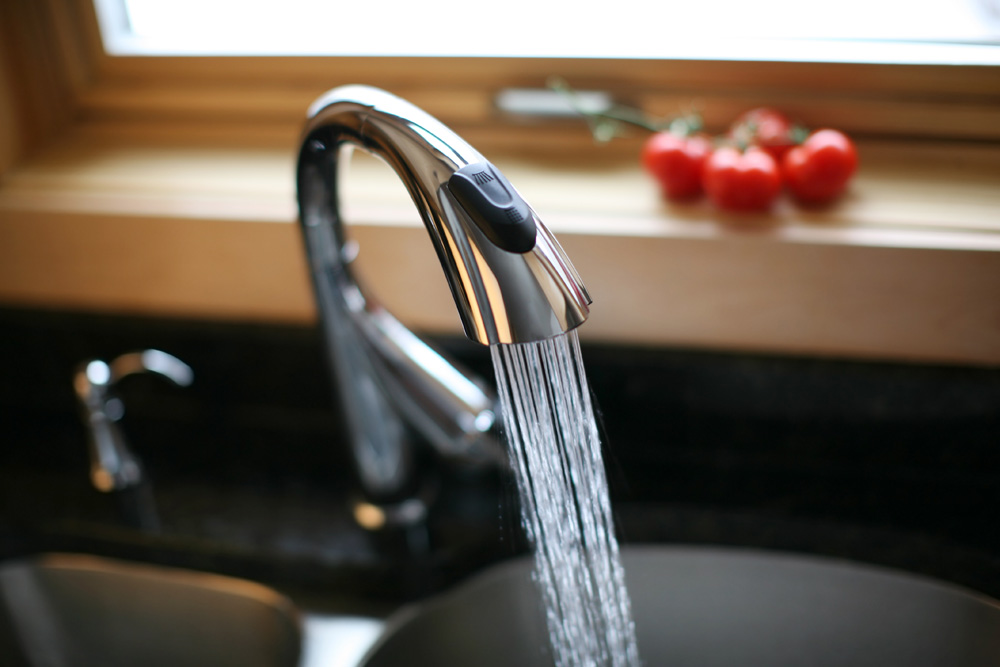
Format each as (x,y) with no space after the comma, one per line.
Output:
(891,464)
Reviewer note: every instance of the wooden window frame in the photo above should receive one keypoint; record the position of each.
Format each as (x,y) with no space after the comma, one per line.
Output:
(107,161)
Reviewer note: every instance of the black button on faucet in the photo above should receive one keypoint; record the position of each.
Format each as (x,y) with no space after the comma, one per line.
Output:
(493,204)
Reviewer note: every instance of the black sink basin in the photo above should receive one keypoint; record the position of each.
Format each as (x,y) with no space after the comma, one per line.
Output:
(74,610)
(715,607)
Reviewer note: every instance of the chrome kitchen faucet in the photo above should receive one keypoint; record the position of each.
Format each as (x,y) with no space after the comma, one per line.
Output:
(510,279)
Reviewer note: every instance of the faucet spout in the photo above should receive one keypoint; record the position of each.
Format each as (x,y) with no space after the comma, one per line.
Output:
(510,279)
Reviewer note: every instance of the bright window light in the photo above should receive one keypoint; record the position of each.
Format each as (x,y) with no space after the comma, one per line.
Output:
(889,31)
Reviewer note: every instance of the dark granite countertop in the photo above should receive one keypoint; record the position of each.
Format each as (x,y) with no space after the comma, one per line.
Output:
(892,464)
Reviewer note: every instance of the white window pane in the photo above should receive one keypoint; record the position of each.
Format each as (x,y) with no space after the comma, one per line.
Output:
(957,31)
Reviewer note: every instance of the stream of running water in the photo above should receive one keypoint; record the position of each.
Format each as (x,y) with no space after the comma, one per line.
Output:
(555,452)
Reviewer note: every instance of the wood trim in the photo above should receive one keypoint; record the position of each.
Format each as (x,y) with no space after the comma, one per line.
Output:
(735,293)
(939,102)
(169,191)
(12,148)
(906,267)
(47,59)
(864,100)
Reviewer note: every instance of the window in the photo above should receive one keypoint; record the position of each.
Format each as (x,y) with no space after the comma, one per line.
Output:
(110,148)
(876,31)
(885,68)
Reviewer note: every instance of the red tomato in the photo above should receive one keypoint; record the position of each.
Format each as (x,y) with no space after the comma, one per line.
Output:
(742,181)
(819,169)
(765,127)
(676,162)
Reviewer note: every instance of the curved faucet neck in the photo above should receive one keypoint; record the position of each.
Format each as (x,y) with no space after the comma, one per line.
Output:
(510,279)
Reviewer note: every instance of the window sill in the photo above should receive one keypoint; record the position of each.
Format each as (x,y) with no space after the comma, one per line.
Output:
(906,267)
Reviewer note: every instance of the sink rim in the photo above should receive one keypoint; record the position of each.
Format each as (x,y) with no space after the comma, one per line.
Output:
(61,605)
(690,555)
(222,583)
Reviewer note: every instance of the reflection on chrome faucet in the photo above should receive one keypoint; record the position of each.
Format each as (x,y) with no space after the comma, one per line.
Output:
(114,468)
(510,279)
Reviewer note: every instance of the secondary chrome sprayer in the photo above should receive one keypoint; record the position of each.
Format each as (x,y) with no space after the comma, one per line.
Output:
(511,281)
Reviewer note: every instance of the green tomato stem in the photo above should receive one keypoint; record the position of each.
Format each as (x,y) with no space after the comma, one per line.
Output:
(606,125)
